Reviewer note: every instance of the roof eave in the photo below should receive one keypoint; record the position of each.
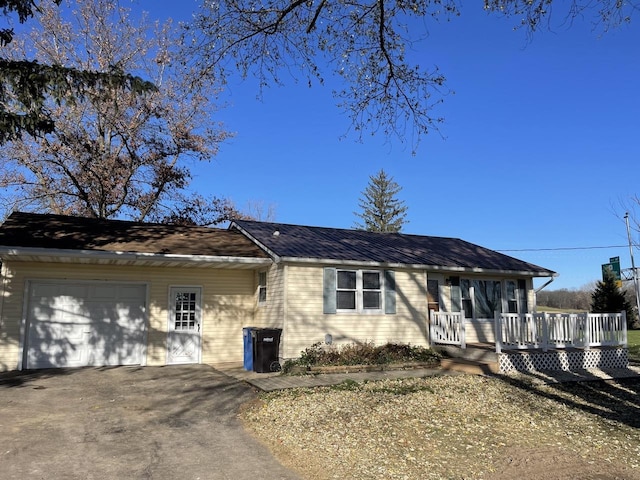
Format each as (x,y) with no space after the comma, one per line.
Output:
(439,268)
(18,253)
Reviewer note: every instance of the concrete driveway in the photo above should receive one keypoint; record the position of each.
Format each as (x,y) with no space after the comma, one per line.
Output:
(175,422)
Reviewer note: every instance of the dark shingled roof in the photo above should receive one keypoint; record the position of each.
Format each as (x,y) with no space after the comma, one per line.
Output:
(75,233)
(303,242)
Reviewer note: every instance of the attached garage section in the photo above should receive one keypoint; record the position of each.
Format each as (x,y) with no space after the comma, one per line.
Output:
(76,324)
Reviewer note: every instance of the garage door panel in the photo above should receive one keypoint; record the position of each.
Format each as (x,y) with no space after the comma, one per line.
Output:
(76,325)
(51,344)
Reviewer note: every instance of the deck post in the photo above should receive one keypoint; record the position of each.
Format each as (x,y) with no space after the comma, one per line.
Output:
(587,331)
(430,319)
(463,334)
(497,331)
(624,328)
(545,332)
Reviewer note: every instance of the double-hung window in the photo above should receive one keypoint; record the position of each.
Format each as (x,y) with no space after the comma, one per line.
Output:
(362,291)
(480,298)
(359,290)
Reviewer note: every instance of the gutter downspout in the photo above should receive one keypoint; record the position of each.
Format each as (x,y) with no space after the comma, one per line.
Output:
(539,289)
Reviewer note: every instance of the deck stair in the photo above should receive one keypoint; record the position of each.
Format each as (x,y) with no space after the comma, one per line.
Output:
(477,359)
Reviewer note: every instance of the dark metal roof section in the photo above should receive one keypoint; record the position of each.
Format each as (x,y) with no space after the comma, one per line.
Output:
(31,230)
(304,242)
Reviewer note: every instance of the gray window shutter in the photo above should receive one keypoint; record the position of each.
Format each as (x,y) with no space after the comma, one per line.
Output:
(329,291)
(456,295)
(389,291)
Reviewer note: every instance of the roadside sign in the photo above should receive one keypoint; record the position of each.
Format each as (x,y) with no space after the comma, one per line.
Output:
(613,267)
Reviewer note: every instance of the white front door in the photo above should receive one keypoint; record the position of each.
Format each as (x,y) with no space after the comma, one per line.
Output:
(185,320)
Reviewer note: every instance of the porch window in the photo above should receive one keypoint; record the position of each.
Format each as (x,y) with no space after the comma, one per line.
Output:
(512,299)
(516,296)
(465,296)
(262,287)
(488,298)
(478,298)
(433,295)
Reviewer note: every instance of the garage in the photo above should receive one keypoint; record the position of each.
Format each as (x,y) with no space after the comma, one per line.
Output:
(77,324)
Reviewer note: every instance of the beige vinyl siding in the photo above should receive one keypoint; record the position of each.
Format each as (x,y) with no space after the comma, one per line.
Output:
(271,314)
(10,314)
(228,303)
(479,331)
(306,323)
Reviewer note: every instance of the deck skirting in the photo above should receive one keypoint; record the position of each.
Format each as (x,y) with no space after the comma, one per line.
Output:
(563,360)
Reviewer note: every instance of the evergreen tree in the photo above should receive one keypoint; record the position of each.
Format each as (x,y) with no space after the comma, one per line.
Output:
(381,210)
(609,298)
(28,89)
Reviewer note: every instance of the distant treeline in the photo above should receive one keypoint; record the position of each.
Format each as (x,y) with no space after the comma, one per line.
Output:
(565,299)
(575,299)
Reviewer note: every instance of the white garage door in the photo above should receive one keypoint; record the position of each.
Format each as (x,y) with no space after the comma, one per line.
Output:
(85,324)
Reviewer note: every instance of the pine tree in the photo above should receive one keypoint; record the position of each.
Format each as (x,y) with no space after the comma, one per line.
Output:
(609,298)
(381,211)
(28,89)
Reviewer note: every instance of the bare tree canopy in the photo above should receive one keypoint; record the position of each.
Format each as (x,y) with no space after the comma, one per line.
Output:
(26,86)
(366,43)
(114,153)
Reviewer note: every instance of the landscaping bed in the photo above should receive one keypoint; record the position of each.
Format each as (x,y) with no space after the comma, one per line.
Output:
(361,357)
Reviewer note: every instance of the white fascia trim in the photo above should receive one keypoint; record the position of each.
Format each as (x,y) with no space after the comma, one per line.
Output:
(438,268)
(6,253)
(276,258)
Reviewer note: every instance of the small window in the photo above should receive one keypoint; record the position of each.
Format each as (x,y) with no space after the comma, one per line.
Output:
(512,299)
(433,295)
(262,287)
(465,292)
(522,296)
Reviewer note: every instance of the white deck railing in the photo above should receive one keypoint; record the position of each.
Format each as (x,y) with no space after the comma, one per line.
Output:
(447,328)
(559,330)
(543,331)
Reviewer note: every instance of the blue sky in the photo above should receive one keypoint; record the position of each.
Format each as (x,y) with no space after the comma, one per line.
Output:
(541,144)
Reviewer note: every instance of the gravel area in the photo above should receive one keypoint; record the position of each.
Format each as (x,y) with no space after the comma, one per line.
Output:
(454,427)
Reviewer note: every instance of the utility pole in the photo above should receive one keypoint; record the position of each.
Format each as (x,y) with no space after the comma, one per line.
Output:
(633,265)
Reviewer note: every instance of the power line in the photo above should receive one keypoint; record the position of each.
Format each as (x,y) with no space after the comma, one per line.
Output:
(560,249)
